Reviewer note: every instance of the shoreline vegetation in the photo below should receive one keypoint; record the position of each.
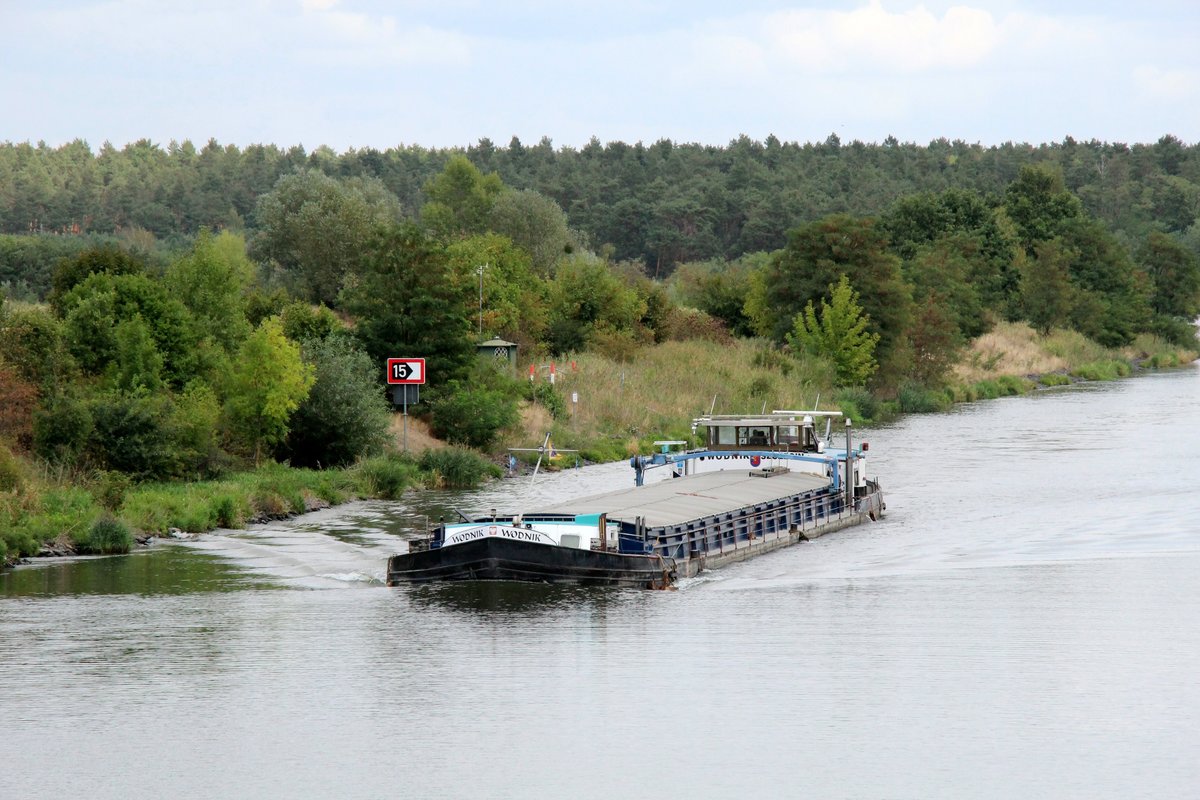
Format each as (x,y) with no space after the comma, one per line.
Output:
(101,513)
(193,338)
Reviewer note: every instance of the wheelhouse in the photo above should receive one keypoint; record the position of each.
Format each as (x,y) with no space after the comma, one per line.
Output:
(782,431)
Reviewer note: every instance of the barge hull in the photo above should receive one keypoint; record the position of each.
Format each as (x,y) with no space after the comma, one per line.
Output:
(499,559)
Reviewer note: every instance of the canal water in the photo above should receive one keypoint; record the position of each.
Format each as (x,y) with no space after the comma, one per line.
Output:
(1025,622)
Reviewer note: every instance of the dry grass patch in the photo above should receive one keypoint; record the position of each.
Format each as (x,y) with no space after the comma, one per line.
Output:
(1011,348)
(667,385)
(419,437)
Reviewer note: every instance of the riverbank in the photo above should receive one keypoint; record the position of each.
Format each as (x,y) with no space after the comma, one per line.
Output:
(613,409)
(608,411)
(47,514)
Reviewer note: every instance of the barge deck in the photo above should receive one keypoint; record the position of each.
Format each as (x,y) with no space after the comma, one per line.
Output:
(710,519)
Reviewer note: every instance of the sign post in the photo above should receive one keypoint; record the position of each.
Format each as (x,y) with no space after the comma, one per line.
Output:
(407,375)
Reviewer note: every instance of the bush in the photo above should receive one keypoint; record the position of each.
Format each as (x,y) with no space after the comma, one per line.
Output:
(473,417)
(683,324)
(1101,370)
(916,399)
(548,396)
(771,358)
(858,404)
(61,429)
(1013,385)
(230,513)
(109,489)
(457,468)
(107,535)
(32,342)
(345,414)
(194,431)
(388,476)
(12,475)
(131,435)
(1176,331)
(1054,379)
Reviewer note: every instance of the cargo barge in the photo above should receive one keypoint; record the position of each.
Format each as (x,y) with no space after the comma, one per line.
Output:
(761,483)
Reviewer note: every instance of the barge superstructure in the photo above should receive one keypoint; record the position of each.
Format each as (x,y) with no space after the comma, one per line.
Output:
(760,483)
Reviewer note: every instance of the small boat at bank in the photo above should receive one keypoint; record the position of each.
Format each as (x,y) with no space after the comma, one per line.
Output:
(760,483)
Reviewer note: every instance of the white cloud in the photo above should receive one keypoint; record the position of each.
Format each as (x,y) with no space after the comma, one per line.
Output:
(349,39)
(912,41)
(1167,84)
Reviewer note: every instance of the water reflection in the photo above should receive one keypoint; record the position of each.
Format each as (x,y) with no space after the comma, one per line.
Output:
(158,570)
(510,598)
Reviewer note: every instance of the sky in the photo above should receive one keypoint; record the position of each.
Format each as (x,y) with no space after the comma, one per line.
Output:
(448,73)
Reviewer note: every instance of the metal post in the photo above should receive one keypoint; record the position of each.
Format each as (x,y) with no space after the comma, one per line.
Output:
(849,471)
(406,419)
(479,269)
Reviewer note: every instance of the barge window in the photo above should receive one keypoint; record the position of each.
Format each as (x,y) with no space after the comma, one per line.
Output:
(723,435)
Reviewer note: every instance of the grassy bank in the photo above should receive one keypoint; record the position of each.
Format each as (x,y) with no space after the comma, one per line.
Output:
(104,512)
(623,406)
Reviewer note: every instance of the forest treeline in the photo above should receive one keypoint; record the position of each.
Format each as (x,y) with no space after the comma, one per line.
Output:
(661,204)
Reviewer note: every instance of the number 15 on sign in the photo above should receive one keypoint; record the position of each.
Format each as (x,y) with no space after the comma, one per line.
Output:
(406,370)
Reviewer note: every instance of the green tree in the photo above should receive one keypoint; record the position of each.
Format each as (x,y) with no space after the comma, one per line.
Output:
(936,340)
(513,297)
(1111,304)
(302,321)
(345,414)
(105,260)
(817,256)
(408,302)
(839,334)
(211,282)
(1038,203)
(313,229)
(267,382)
(536,224)
(1046,291)
(943,268)
(586,296)
(94,309)
(1174,273)
(137,364)
(195,428)
(460,199)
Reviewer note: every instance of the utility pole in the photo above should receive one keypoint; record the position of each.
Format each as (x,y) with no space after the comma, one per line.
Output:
(480,270)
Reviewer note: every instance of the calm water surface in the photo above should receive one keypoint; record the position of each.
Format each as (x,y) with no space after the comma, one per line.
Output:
(1024,623)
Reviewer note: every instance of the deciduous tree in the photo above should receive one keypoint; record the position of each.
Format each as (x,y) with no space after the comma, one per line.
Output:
(838,333)
(267,382)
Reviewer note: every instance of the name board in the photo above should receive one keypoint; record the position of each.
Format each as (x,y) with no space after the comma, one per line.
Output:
(500,532)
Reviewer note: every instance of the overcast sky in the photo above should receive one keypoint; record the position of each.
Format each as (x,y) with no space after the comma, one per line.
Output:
(357,73)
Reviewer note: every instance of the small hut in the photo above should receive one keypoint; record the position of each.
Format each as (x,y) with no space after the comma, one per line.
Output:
(500,353)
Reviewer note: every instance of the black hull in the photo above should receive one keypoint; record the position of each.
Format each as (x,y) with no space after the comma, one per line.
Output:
(498,559)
